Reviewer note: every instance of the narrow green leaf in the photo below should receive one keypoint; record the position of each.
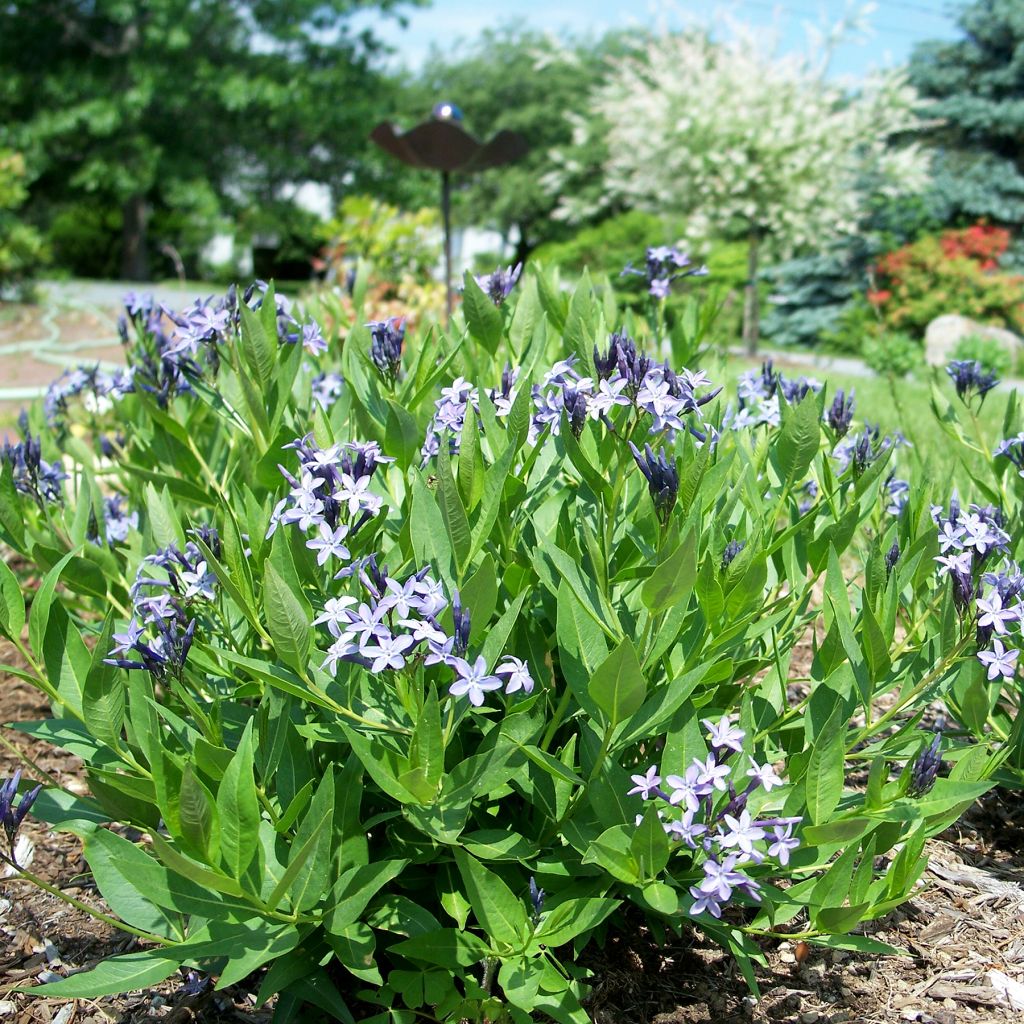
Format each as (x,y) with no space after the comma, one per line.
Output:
(618,686)
(239,811)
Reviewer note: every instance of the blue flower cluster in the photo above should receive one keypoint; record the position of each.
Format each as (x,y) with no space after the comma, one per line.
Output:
(326,389)
(971,379)
(171,349)
(99,391)
(664,264)
(1013,449)
(862,449)
(967,542)
(392,623)
(395,624)
(498,286)
(386,340)
(332,493)
(758,393)
(450,411)
(33,475)
(626,378)
(703,810)
(160,633)
(117,521)
(12,816)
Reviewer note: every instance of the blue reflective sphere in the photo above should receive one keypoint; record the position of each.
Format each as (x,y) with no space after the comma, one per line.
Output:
(445,111)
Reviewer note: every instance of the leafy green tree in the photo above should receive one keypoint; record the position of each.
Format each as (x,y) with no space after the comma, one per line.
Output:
(21,248)
(745,144)
(186,105)
(976,90)
(524,81)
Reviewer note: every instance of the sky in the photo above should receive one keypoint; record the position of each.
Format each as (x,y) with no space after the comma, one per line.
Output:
(895,25)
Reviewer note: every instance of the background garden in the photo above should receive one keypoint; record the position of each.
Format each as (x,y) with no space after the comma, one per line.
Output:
(637,642)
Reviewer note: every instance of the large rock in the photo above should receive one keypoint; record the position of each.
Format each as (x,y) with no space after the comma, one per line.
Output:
(944,333)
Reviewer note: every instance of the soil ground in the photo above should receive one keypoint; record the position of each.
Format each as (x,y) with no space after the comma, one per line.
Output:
(963,933)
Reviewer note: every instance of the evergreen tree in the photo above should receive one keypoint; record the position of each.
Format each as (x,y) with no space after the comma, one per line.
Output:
(976,88)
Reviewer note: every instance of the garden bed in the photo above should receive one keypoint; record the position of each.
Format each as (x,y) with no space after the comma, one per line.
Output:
(967,920)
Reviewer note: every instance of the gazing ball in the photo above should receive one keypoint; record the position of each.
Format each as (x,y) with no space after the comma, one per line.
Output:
(445,111)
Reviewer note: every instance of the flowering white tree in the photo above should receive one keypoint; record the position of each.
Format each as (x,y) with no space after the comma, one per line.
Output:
(745,144)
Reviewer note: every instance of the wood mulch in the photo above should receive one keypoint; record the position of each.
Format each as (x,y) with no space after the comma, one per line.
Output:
(963,933)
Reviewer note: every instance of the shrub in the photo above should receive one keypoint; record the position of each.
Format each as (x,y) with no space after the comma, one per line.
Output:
(991,354)
(417,676)
(605,247)
(893,353)
(952,273)
(21,248)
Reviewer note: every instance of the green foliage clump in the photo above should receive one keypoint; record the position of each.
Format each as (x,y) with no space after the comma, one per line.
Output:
(974,116)
(606,247)
(397,244)
(21,247)
(992,354)
(929,278)
(160,109)
(892,353)
(419,672)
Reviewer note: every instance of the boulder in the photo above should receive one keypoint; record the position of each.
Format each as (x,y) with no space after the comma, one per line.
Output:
(944,333)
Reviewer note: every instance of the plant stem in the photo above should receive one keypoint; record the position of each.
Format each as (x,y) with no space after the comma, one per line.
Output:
(24,875)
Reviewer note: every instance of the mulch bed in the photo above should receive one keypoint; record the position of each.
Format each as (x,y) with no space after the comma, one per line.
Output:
(963,933)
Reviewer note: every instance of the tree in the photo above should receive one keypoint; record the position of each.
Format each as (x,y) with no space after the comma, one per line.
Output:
(21,249)
(747,145)
(175,105)
(976,90)
(524,81)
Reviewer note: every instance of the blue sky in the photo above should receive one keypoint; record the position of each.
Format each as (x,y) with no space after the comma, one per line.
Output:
(895,25)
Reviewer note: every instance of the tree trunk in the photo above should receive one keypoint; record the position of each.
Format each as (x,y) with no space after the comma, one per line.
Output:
(751,300)
(523,247)
(134,251)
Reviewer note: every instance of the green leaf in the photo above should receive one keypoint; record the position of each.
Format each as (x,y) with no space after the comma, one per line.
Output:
(426,753)
(308,866)
(126,973)
(162,520)
(471,461)
(673,579)
(11,517)
(239,811)
(42,600)
(429,532)
(498,634)
(258,348)
(483,318)
(355,947)
(825,771)
(565,922)
(103,695)
(480,594)
(197,811)
(618,686)
(490,504)
(612,850)
(501,915)
(453,512)
(288,620)
(402,436)
(12,604)
(836,833)
(446,947)
(649,845)
(354,890)
(797,441)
